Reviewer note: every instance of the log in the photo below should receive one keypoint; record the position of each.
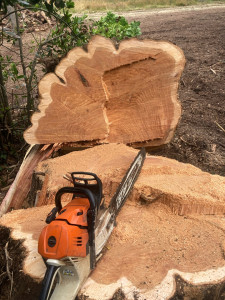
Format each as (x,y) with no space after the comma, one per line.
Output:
(106,95)
(154,246)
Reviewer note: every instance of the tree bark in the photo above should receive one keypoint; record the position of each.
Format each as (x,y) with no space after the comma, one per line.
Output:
(16,196)
(12,17)
(4,99)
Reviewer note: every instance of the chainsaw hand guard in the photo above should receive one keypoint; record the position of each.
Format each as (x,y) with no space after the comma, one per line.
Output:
(89,181)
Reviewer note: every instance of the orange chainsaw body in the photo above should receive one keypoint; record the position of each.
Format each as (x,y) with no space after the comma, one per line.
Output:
(67,235)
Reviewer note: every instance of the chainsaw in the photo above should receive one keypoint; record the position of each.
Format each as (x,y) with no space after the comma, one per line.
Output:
(72,242)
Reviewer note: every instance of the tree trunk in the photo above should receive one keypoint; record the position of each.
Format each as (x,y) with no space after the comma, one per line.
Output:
(106,95)
(4,100)
(12,17)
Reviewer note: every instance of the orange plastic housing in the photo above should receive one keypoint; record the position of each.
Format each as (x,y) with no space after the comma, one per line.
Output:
(67,235)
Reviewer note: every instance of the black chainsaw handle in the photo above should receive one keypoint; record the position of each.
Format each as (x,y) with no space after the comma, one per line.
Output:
(84,181)
(70,190)
(89,181)
(47,282)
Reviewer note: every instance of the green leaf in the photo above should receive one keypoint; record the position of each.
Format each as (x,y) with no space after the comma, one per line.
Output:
(70,4)
(13,68)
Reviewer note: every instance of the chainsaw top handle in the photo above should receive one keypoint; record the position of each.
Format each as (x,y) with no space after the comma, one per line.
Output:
(91,182)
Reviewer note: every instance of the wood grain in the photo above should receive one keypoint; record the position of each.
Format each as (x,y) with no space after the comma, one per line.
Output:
(106,95)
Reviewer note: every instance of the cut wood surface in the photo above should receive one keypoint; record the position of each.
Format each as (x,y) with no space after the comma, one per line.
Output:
(106,95)
(161,231)
(182,187)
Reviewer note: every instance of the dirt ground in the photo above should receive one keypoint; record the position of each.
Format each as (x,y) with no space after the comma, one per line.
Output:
(200,33)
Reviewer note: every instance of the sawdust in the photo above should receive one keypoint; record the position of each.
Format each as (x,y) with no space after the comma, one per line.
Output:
(30,221)
(183,187)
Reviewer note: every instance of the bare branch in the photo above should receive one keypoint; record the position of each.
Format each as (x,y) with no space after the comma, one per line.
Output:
(7,268)
(219,126)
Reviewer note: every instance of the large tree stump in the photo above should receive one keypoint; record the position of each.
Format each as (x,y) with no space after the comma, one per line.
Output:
(154,243)
(106,95)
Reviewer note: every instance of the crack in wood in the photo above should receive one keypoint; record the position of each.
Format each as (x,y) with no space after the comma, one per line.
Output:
(83,79)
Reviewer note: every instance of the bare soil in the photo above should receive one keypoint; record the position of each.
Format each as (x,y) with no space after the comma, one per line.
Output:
(200,33)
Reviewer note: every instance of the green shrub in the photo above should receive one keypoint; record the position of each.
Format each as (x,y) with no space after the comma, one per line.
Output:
(117,27)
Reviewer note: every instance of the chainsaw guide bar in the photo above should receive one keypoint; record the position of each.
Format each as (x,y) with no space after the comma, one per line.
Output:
(72,241)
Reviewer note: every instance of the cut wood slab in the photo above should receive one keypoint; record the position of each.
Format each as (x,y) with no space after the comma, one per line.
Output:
(184,188)
(106,95)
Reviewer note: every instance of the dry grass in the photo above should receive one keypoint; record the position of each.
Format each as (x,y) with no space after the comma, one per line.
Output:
(102,5)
